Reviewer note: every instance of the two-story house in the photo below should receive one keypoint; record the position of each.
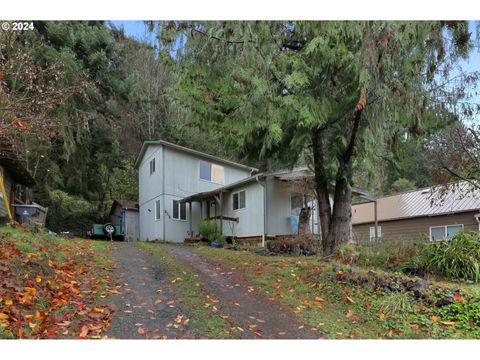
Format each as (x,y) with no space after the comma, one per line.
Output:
(178,187)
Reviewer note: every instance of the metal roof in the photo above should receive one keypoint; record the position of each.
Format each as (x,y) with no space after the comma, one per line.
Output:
(187,150)
(12,163)
(432,201)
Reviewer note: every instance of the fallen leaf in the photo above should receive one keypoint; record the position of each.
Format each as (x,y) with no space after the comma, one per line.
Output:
(141,330)
(448,323)
(224,317)
(318,298)
(435,318)
(282,333)
(4,316)
(170,302)
(158,302)
(381,315)
(350,300)
(8,302)
(349,313)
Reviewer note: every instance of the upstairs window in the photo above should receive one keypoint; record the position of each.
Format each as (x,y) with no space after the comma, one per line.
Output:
(179,211)
(239,200)
(152,166)
(212,172)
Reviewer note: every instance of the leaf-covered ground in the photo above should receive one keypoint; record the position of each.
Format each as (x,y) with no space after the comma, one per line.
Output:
(51,287)
(313,290)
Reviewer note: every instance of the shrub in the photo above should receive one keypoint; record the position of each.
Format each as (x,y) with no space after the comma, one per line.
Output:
(394,302)
(209,230)
(386,254)
(456,258)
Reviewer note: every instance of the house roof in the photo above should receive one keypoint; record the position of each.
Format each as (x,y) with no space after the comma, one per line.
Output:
(207,194)
(14,166)
(124,204)
(419,203)
(283,175)
(190,151)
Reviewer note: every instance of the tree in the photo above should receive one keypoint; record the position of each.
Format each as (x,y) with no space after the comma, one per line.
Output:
(326,92)
(402,185)
(456,155)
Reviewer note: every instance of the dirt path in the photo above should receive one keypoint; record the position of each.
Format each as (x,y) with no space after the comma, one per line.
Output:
(257,315)
(144,308)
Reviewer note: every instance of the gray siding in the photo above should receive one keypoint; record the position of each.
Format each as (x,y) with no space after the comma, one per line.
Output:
(177,175)
(250,218)
(132,230)
(279,208)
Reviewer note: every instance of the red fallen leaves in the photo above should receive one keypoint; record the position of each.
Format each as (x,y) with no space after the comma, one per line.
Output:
(55,297)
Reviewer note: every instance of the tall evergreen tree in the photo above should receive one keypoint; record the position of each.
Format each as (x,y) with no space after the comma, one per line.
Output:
(327,92)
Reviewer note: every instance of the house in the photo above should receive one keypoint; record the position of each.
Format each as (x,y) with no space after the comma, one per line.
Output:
(424,212)
(179,187)
(17,182)
(124,213)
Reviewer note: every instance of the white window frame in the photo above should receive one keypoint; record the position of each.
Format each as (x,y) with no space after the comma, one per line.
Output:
(179,212)
(211,172)
(238,193)
(158,210)
(152,166)
(372,232)
(445,231)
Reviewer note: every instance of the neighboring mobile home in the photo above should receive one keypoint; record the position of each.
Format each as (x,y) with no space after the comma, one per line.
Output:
(17,181)
(423,212)
(178,187)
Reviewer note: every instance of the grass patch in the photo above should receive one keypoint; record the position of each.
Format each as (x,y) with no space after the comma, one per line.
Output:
(308,286)
(49,286)
(192,292)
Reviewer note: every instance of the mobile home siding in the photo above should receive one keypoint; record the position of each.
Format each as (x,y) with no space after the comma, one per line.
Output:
(413,228)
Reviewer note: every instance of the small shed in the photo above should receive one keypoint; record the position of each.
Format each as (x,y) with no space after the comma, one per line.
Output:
(17,181)
(124,213)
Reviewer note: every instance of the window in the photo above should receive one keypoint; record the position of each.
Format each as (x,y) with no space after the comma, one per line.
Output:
(239,200)
(444,232)
(179,211)
(296,204)
(157,210)
(152,166)
(212,172)
(372,232)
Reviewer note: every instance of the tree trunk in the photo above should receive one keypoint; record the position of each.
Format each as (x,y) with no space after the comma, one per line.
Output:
(339,231)
(304,221)
(340,222)
(321,183)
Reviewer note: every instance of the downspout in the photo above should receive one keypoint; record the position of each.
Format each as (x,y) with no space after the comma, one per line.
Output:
(477,217)
(163,192)
(264,185)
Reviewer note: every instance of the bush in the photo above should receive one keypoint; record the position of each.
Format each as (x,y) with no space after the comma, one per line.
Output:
(209,230)
(394,303)
(456,258)
(385,254)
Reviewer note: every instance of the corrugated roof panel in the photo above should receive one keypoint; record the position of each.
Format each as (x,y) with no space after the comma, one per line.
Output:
(424,202)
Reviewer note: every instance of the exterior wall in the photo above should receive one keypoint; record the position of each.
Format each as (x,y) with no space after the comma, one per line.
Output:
(132,231)
(250,218)
(413,228)
(150,189)
(7,180)
(279,208)
(177,175)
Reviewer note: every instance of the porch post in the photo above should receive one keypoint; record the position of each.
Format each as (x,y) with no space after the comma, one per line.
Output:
(201,209)
(375,218)
(221,216)
(190,215)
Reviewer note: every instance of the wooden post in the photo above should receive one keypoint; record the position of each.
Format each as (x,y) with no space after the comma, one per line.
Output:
(190,215)
(375,218)
(201,210)
(221,217)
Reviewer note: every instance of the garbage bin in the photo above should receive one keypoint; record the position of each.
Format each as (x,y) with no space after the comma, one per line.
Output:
(30,215)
